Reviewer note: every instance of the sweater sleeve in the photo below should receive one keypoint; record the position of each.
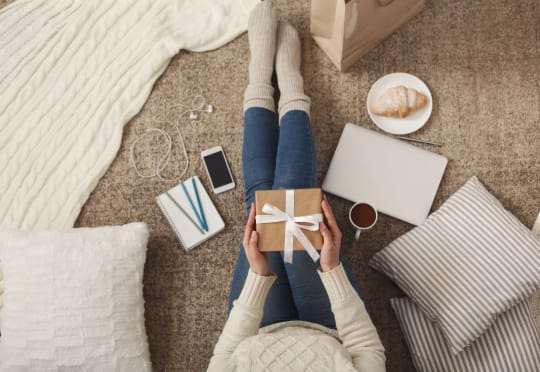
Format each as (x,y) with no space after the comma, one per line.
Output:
(354,326)
(244,319)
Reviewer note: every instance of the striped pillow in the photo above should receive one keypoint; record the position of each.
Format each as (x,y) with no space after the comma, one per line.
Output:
(469,262)
(512,343)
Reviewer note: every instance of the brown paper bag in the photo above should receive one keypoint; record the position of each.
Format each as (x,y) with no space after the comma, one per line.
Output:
(272,235)
(347,29)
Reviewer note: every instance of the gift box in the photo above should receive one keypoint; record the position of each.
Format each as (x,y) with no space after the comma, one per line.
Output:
(289,220)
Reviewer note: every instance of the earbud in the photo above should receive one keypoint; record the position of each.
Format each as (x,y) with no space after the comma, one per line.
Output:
(193,113)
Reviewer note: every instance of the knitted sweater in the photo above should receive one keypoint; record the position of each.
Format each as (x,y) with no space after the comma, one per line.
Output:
(72,73)
(299,346)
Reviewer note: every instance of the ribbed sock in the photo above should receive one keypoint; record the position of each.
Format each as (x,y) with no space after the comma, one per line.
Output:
(262,27)
(290,82)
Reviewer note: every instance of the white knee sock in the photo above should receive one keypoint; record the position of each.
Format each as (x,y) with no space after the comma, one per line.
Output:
(290,82)
(262,26)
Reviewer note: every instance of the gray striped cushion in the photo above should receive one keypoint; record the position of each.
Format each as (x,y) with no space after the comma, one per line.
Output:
(469,262)
(511,344)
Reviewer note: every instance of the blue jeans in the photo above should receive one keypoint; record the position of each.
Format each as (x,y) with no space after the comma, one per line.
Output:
(283,158)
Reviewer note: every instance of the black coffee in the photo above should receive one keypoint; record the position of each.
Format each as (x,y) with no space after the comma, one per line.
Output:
(363,215)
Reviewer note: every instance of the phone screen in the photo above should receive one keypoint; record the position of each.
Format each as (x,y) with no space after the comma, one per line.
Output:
(218,170)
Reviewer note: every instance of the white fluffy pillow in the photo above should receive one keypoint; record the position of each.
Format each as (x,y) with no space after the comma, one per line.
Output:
(73,299)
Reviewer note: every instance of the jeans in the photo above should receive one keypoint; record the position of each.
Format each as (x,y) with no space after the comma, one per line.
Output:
(283,158)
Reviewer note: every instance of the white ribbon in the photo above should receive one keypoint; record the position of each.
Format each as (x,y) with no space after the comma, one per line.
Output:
(293,225)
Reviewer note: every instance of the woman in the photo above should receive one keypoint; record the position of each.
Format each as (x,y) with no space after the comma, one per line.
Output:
(314,319)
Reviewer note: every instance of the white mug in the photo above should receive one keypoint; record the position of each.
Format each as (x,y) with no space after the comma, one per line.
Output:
(365,218)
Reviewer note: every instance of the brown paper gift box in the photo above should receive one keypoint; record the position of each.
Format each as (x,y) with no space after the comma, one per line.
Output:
(347,29)
(272,235)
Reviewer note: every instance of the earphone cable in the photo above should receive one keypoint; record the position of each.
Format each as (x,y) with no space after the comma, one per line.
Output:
(164,160)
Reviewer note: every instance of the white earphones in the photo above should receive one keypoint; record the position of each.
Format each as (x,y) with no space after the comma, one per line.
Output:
(193,113)
(197,104)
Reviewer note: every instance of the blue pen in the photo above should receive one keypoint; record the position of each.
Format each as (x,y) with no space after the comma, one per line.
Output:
(201,210)
(192,205)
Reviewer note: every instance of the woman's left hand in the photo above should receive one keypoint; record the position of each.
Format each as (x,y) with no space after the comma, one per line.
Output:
(258,261)
(331,239)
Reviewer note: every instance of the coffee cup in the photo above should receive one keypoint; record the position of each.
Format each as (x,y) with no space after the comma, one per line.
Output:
(363,216)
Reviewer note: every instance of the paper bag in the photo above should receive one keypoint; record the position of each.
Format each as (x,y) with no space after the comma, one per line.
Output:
(347,29)
(307,202)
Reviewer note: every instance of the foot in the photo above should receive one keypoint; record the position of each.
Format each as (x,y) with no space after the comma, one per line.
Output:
(290,82)
(262,28)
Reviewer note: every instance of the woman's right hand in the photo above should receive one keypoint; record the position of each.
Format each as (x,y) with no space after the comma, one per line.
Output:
(258,261)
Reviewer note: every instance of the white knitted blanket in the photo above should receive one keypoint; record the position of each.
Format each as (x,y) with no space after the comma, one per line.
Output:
(72,73)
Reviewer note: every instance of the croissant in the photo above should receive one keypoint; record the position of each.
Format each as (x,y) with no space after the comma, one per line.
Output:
(399,102)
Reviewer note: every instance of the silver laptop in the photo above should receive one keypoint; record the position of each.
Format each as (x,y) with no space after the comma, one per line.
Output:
(397,178)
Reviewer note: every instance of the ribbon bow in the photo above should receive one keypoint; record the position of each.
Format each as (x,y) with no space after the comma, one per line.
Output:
(293,225)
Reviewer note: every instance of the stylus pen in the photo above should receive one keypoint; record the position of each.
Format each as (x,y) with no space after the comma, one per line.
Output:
(192,205)
(201,210)
(184,212)
(420,141)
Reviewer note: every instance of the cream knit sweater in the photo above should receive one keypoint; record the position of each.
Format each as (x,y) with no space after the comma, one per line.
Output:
(299,346)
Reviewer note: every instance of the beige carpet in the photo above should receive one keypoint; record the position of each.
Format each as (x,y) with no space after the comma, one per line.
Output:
(481,61)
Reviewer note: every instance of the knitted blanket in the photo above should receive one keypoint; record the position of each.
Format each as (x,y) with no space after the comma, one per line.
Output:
(72,73)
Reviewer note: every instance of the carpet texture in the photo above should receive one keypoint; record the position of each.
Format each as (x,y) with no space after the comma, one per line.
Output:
(481,62)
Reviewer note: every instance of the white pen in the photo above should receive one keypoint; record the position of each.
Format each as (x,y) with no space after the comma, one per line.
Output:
(420,141)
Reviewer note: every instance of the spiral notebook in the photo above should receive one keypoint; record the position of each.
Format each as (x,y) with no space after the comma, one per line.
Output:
(180,213)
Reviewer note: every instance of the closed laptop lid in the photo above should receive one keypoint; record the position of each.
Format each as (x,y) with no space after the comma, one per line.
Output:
(397,178)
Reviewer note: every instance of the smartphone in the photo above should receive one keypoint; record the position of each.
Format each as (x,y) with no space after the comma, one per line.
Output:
(217,169)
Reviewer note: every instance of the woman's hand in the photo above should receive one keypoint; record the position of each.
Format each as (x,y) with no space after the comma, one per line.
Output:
(331,238)
(258,262)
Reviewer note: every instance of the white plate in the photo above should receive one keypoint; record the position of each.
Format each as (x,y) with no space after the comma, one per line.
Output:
(395,125)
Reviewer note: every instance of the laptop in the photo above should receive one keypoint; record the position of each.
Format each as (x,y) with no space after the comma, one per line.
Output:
(397,178)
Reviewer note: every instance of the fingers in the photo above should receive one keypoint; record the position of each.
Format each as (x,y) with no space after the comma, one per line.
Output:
(252,249)
(327,210)
(330,219)
(327,235)
(251,218)
(250,225)
(254,240)
(258,261)
(251,246)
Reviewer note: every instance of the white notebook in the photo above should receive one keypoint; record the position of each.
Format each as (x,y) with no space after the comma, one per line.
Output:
(187,233)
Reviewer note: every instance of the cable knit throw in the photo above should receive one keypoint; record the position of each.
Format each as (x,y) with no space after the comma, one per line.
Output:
(72,73)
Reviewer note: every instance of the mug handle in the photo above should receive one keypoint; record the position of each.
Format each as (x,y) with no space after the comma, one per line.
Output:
(357,234)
